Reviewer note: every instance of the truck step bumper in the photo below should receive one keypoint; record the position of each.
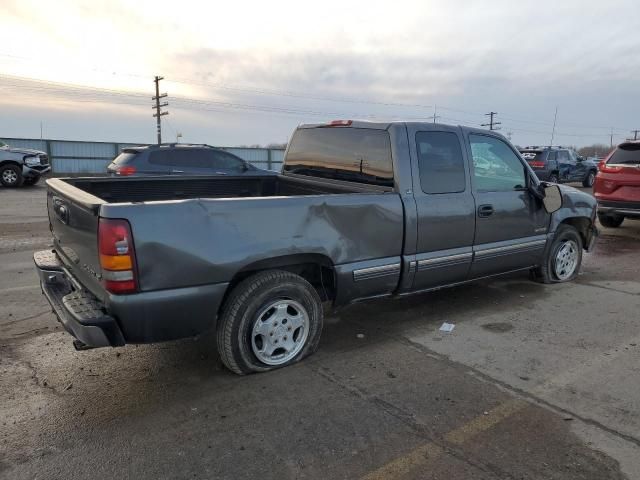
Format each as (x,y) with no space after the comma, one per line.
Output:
(79,312)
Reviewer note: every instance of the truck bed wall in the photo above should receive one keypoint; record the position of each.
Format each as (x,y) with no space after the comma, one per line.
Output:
(208,241)
(116,190)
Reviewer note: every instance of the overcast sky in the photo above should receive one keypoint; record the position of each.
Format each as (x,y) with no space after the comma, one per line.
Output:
(248,72)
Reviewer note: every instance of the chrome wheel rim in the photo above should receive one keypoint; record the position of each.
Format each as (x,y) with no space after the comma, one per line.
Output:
(9,176)
(279,332)
(566,260)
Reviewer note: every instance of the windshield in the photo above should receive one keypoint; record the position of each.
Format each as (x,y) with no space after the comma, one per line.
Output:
(2,144)
(626,154)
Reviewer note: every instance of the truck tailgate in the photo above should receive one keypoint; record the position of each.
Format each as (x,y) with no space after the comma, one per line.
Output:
(73,215)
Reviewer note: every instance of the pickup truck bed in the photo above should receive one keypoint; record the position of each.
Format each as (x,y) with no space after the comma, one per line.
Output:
(214,230)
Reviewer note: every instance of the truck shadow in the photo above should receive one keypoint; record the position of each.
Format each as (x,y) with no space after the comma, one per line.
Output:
(137,381)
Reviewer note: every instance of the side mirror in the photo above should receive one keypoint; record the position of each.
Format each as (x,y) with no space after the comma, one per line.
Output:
(552,199)
(581,159)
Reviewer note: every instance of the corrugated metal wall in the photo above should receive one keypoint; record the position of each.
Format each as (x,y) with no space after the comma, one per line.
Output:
(69,157)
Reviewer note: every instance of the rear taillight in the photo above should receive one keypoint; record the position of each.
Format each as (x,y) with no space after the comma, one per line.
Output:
(536,164)
(117,256)
(126,170)
(603,167)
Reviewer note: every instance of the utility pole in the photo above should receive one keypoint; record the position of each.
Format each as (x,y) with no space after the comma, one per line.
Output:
(435,116)
(158,106)
(611,138)
(553,132)
(635,134)
(493,125)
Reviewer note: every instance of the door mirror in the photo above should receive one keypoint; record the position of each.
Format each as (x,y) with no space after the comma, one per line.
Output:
(552,199)
(581,159)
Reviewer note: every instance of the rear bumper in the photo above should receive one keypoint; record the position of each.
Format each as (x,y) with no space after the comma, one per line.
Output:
(79,312)
(626,209)
(145,317)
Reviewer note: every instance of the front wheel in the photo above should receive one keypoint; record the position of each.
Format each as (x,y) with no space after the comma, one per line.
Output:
(270,320)
(610,221)
(589,179)
(553,178)
(562,258)
(10,176)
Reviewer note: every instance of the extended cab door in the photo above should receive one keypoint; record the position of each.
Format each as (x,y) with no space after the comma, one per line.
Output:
(445,206)
(511,224)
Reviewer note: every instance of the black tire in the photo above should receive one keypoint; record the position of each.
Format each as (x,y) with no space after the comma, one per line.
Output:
(589,179)
(31,181)
(546,273)
(610,221)
(553,178)
(11,176)
(242,308)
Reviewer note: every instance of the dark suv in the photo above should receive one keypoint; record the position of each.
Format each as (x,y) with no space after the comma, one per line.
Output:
(180,159)
(560,165)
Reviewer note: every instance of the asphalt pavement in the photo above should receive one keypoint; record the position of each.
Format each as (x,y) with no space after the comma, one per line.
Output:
(534,382)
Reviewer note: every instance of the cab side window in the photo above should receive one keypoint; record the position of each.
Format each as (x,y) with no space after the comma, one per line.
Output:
(440,162)
(496,167)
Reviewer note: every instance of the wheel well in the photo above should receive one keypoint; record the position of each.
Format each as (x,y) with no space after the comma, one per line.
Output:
(581,224)
(9,162)
(314,268)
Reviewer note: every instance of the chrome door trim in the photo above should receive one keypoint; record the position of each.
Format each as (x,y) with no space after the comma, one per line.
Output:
(376,272)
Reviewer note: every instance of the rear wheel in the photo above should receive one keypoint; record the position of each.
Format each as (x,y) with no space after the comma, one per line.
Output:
(553,178)
(270,320)
(589,179)
(562,258)
(10,176)
(610,221)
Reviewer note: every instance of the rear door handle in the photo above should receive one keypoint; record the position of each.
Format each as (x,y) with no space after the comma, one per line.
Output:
(485,210)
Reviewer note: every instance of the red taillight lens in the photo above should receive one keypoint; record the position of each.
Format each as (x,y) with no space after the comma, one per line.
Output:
(126,170)
(117,256)
(603,167)
(536,164)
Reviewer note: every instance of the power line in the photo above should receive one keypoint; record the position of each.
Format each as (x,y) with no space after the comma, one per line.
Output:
(493,125)
(83,93)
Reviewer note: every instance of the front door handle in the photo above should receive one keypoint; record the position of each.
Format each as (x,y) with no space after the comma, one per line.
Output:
(485,210)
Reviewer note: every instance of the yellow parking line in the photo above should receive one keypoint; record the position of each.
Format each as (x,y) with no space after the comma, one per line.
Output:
(430,451)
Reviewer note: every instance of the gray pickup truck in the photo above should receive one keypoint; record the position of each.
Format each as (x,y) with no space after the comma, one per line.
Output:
(361,210)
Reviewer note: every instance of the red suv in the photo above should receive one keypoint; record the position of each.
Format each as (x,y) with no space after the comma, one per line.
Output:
(617,185)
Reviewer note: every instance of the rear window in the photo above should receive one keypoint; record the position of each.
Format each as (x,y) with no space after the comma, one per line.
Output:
(626,154)
(196,158)
(124,158)
(532,156)
(354,154)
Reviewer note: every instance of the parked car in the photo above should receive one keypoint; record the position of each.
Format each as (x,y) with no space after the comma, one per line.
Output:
(180,159)
(560,165)
(361,210)
(617,186)
(21,166)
